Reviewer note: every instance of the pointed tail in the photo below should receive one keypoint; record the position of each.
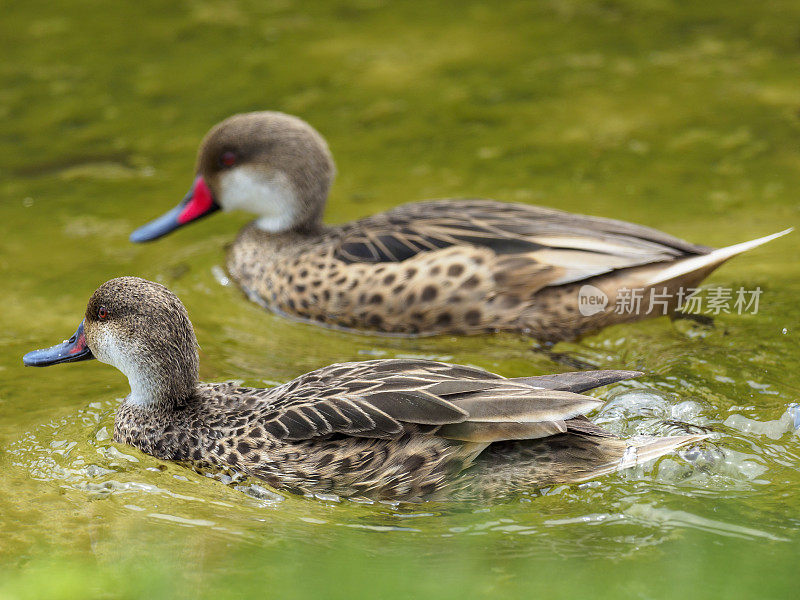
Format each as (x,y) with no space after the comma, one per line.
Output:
(642,450)
(710,261)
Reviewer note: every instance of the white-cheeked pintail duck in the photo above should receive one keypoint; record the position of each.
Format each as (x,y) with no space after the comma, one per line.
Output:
(457,266)
(400,429)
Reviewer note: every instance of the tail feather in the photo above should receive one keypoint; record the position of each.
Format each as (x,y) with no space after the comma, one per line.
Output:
(577,381)
(709,261)
(641,450)
(584,452)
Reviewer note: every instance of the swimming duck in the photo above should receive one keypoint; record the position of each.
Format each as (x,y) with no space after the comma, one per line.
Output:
(444,266)
(399,429)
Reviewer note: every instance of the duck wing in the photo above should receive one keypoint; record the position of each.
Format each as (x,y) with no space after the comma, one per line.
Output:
(572,247)
(385,398)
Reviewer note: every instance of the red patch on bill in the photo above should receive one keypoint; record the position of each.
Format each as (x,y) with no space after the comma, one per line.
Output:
(201,202)
(79,345)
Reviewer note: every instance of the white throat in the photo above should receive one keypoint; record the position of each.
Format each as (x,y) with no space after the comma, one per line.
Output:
(142,388)
(270,196)
(117,353)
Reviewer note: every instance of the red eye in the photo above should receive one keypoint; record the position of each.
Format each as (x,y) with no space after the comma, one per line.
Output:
(102,313)
(228,159)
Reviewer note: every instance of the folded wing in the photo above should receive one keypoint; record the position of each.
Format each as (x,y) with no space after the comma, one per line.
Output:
(563,246)
(384,399)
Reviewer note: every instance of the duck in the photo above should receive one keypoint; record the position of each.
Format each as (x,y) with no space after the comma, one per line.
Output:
(389,429)
(453,266)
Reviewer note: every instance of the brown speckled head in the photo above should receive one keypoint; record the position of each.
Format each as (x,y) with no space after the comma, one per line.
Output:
(142,329)
(271,164)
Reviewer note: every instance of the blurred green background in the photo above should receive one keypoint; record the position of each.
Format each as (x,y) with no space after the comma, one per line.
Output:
(679,115)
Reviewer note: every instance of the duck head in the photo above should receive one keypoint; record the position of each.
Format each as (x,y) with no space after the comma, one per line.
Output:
(273,165)
(142,329)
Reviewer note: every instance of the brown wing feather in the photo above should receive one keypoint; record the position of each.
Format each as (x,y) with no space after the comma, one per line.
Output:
(524,405)
(545,245)
(380,398)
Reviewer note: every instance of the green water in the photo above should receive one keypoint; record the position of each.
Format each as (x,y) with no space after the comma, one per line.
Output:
(683,116)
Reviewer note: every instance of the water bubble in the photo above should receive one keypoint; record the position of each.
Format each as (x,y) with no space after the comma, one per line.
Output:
(220,275)
(625,411)
(688,410)
(259,492)
(793,412)
(788,422)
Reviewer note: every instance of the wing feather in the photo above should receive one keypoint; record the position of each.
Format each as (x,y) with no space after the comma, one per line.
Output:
(565,246)
(501,431)
(525,405)
(383,398)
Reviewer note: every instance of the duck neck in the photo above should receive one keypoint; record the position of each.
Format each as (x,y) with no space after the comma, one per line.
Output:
(163,384)
(283,204)
(309,228)
(288,238)
(150,391)
(306,225)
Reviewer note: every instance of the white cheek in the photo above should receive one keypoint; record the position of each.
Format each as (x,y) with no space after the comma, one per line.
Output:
(118,353)
(271,197)
(107,350)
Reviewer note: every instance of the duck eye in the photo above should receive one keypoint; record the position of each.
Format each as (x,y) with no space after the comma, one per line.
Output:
(102,313)
(228,159)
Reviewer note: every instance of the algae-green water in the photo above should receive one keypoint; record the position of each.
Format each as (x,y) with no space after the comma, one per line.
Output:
(683,116)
